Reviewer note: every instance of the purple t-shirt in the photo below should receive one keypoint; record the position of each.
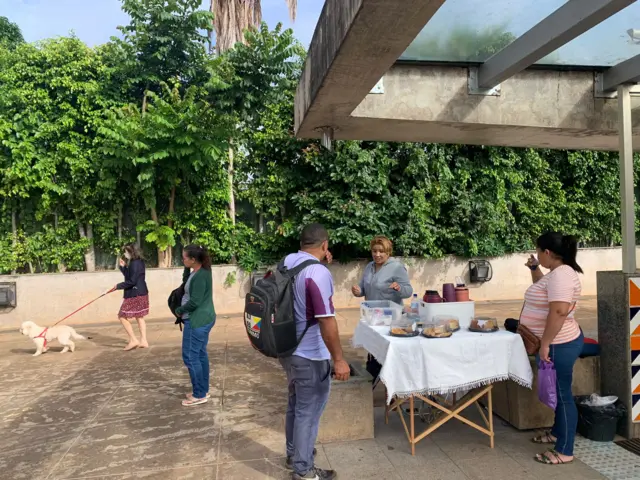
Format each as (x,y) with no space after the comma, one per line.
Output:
(313,299)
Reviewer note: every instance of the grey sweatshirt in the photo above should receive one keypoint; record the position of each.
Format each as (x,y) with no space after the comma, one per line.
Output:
(375,285)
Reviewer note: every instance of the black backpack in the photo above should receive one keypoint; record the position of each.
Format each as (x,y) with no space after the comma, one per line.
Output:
(269,313)
(174,301)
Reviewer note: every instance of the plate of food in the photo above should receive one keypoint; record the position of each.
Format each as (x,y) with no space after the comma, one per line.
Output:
(484,325)
(403,332)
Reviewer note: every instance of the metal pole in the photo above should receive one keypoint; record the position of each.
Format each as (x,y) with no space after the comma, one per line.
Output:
(626,180)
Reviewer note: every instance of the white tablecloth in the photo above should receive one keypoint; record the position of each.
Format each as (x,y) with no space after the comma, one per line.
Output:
(463,361)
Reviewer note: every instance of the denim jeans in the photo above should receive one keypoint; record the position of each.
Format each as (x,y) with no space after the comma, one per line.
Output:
(195,357)
(309,386)
(564,356)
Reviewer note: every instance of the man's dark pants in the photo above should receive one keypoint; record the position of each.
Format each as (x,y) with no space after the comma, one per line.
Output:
(309,386)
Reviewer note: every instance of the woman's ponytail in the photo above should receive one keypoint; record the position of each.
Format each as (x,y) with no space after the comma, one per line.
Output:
(570,252)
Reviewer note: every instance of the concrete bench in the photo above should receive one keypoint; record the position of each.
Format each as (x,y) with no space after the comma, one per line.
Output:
(520,406)
(349,411)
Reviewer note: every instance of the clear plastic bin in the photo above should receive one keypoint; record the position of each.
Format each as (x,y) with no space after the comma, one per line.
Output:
(380,312)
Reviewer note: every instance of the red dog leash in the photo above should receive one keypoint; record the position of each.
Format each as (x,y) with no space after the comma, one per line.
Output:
(44,332)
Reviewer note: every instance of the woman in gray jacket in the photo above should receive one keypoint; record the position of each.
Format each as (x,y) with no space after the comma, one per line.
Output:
(385,278)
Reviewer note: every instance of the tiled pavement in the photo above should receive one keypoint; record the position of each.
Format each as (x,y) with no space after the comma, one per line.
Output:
(103,413)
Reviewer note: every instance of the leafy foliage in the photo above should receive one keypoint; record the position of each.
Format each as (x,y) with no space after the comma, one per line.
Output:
(10,33)
(98,146)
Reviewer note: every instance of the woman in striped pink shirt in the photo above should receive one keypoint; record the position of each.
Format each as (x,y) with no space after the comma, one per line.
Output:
(549,308)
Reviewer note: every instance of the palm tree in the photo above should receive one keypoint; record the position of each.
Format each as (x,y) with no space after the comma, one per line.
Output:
(233,17)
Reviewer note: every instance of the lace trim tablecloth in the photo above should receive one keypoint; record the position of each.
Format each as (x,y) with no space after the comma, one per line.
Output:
(441,366)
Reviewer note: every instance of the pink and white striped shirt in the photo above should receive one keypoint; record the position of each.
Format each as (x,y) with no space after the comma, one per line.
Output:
(559,285)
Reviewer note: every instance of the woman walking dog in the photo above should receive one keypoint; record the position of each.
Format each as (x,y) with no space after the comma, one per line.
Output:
(136,296)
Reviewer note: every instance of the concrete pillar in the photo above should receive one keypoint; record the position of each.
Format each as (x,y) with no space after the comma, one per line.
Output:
(626,180)
(619,337)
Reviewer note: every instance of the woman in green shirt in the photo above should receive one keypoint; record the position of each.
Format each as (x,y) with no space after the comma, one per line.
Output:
(199,316)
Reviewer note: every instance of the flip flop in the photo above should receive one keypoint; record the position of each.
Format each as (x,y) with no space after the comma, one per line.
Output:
(545,460)
(194,401)
(544,439)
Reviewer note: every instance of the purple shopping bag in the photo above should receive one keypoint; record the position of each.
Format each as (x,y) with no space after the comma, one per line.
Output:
(547,384)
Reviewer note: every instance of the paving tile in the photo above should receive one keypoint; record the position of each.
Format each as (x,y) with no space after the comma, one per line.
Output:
(191,473)
(20,437)
(267,392)
(34,462)
(249,434)
(436,470)
(361,459)
(490,468)
(242,359)
(253,470)
(13,407)
(73,405)
(145,443)
(151,399)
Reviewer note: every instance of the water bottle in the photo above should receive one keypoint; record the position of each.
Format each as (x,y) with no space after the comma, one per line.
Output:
(415,304)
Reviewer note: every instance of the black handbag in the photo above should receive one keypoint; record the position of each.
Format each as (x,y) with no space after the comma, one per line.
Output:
(175,301)
(373,367)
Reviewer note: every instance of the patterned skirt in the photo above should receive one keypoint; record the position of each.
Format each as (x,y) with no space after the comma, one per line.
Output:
(136,307)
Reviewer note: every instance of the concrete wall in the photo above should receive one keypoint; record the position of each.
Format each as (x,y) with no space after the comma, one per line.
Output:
(47,298)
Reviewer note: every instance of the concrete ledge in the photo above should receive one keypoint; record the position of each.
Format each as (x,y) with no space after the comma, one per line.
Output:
(520,406)
(349,412)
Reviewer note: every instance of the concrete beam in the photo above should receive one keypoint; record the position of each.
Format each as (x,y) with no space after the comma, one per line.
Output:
(353,46)
(537,108)
(568,22)
(624,72)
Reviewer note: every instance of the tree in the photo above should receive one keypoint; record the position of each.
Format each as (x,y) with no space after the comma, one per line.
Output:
(10,33)
(232,18)
(50,108)
(174,148)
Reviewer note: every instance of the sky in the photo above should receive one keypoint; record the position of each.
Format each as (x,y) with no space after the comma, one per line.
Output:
(94,21)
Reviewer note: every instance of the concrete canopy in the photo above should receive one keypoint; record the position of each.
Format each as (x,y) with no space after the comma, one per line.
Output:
(359,42)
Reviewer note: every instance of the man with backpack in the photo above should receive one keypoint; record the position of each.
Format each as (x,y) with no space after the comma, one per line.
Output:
(309,368)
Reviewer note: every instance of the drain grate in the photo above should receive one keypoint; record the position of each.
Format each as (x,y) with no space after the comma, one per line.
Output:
(632,446)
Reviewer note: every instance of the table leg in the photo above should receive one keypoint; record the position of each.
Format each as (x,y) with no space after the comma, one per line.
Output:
(386,407)
(490,395)
(413,431)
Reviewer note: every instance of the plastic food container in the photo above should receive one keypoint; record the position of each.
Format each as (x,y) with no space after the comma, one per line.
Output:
(379,313)
(451,321)
(484,324)
(405,326)
(437,329)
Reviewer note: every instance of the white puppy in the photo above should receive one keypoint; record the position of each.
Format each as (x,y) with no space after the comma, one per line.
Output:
(42,336)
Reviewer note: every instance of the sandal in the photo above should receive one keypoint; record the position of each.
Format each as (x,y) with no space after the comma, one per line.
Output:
(545,439)
(545,459)
(192,402)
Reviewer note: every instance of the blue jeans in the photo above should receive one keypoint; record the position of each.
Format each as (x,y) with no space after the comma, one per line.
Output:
(564,356)
(309,386)
(195,357)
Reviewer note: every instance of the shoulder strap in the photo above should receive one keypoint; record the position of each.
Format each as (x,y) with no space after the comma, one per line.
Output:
(292,272)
